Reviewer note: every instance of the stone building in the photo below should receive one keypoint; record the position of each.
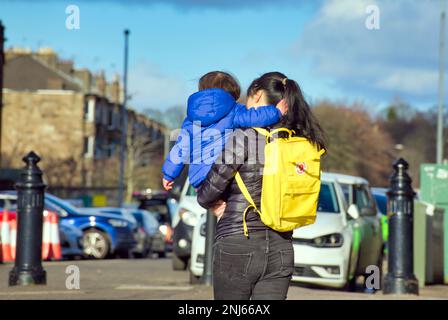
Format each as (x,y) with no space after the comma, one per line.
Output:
(70,117)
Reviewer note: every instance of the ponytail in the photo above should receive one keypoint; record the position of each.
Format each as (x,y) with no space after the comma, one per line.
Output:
(299,116)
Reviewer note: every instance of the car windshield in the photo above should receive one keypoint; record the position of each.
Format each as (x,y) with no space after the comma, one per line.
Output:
(327,199)
(381,201)
(62,203)
(158,208)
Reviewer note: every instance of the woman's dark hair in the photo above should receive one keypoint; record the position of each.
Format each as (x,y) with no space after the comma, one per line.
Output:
(221,80)
(299,116)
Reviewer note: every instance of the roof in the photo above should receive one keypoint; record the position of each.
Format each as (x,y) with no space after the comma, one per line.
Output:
(25,72)
(343,178)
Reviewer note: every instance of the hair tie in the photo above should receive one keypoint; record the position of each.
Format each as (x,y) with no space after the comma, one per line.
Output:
(284,81)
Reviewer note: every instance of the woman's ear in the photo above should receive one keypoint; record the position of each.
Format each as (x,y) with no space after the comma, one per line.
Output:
(258,95)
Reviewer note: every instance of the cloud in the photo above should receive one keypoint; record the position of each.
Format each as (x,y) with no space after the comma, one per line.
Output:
(149,87)
(401,58)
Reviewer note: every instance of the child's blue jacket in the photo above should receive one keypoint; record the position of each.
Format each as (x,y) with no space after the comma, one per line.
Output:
(211,116)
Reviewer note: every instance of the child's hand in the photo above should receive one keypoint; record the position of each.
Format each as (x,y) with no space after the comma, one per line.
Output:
(218,209)
(168,185)
(282,106)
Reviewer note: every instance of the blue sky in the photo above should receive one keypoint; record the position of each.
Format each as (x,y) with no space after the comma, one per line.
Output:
(324,45)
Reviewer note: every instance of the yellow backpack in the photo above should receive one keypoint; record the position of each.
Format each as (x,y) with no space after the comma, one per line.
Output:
(291,182)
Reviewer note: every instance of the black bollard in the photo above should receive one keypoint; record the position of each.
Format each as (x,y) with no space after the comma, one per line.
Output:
(400,278)
(28,268)
(210,228)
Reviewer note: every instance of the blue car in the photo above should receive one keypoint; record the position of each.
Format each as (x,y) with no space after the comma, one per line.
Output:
(71,239)
(103,234)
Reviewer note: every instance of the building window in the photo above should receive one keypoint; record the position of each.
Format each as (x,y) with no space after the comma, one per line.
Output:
(89,110)
(88,147)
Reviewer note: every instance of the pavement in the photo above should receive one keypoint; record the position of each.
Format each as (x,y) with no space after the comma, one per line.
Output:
(155,279)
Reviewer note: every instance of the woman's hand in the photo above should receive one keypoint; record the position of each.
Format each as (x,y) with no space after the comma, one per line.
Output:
(219,208)
(282,106)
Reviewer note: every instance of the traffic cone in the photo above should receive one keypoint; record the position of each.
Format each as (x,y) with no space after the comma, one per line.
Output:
(6,245)
(13,234)
(55,242)
(46,236)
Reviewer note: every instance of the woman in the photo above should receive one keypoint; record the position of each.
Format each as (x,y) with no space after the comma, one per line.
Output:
(259,266)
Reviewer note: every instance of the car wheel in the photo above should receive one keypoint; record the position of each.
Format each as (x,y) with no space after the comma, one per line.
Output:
(95,244)
(178,263)
(195,279)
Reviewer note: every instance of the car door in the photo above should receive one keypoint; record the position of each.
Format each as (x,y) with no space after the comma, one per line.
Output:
(371,239)
(360,229)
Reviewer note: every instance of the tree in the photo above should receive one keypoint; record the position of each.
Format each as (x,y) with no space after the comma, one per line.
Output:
(415,131)
(171,117)
(356,144)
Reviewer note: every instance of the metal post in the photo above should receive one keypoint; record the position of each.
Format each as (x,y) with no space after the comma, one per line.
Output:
(400,278)
(2,62)
(440,140)
(123,115)
(28,268)
(209,240)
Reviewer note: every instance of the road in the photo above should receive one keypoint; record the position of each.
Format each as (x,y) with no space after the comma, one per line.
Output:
(153,279)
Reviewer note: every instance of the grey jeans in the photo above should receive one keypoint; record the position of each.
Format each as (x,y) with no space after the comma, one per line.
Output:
(258,268)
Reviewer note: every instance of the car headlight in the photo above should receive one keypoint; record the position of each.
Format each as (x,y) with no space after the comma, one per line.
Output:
(118,223)
(163,229)
(330,241)
(188,217)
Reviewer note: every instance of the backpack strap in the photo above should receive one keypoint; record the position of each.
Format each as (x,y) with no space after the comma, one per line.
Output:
(248,197)
(269,134)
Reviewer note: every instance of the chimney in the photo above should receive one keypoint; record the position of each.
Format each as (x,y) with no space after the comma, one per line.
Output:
(66,66)
(48,56)
(101,84)
(114,89)
(86,77)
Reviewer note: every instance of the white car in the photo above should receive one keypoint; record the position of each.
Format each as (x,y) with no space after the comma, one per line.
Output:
(344,240)
(197,250)
(183,224)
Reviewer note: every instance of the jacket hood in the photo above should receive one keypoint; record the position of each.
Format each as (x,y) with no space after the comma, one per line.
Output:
(209,106)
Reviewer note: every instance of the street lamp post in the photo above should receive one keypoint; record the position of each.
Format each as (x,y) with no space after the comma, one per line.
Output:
(2,62)
(440,141)
(123,116)
(209,240)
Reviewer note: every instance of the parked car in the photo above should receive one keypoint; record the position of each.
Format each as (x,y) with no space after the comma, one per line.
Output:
(381,202)
(333,251)
(123,212)
(198,250)
(164,209)
(184,222)
(103,234)
(70,237)
(150,239)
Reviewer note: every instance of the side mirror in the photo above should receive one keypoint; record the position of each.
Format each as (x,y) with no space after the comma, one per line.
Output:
(353,211)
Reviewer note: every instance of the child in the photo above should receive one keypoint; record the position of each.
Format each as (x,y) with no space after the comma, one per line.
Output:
(214,106)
